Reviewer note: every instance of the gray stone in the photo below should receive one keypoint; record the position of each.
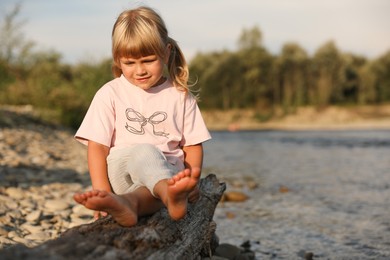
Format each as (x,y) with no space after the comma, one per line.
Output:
(227,251)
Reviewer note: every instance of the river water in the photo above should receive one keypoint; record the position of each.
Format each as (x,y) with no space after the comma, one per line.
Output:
(320,192)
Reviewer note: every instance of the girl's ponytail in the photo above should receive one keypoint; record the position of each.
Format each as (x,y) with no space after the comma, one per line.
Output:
(177,66)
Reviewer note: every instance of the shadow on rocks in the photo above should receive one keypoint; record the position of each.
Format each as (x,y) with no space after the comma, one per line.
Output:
(26,176)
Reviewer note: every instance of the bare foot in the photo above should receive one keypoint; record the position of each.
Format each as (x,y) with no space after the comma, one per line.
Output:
(179,186)
(122,210)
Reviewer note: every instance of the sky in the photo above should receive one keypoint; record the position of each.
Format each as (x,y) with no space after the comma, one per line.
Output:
(81,29)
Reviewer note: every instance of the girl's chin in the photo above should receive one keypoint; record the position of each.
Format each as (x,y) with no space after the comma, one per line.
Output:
(146,84)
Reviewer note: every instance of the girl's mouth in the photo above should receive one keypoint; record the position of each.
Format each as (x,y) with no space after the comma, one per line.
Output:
(143,79)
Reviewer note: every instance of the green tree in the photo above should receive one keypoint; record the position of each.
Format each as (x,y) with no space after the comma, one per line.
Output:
(235,79)
(291,71)
(381,71)
(367,89)
(212,77)
(254,74)
(73,99)
(326,65)
(351,79)
(250,38)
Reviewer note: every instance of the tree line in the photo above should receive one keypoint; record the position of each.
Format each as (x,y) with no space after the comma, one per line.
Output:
(254,78)
(250,77)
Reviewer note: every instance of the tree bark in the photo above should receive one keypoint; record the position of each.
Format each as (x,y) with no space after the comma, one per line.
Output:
(154,237)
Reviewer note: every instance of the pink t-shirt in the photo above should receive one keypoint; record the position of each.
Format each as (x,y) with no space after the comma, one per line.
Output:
(122,114)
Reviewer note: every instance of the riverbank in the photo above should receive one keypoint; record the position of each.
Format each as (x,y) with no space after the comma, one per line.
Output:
(305,118)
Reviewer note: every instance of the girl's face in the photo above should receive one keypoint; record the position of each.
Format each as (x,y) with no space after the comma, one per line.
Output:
(145,72)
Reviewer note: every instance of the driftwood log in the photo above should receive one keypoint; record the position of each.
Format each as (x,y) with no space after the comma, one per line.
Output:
(154,237)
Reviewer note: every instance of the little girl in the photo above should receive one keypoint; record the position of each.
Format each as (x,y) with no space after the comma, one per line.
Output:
(144,130)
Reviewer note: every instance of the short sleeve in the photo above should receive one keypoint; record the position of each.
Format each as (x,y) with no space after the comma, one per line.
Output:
(99,122)
(194,127)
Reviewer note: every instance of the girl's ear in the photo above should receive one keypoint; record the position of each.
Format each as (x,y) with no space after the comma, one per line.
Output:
(167,53)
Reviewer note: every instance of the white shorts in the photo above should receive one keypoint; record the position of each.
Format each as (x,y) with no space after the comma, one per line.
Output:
(136,166)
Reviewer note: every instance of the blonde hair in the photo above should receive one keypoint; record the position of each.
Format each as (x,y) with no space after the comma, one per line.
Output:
(142,32)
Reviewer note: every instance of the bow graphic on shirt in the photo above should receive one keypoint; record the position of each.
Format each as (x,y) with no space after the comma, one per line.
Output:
(156,118)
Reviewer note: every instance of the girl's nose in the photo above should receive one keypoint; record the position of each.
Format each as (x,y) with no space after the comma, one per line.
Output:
(140,69)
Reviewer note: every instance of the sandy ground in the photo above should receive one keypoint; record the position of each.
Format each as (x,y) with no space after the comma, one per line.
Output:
(305,118)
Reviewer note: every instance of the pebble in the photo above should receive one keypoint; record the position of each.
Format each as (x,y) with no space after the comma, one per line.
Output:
(235,196)
(34,216)
(55,205)
(3,232)
(15,193)
(41,236)
(31,228)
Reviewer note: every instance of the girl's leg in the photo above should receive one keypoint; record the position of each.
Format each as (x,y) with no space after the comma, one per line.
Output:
(148,165)
(130,170)
(150,168)
(118,175)
(174,192)
(126,208)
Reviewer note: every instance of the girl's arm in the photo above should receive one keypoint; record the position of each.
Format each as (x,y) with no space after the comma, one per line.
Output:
(97,163)
(193,158)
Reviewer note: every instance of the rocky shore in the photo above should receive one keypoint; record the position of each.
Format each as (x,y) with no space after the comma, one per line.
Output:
(40,169)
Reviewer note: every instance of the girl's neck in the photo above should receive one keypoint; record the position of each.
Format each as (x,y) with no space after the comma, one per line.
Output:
(159,82)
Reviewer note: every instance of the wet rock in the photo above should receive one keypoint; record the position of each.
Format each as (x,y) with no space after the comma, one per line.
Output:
(283,189)
(235,196)
(227,251)
(231,252)
(305,255)
(214,257)
(309,256)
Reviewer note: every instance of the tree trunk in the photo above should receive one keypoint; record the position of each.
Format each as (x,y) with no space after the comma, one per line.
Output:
(154,237)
